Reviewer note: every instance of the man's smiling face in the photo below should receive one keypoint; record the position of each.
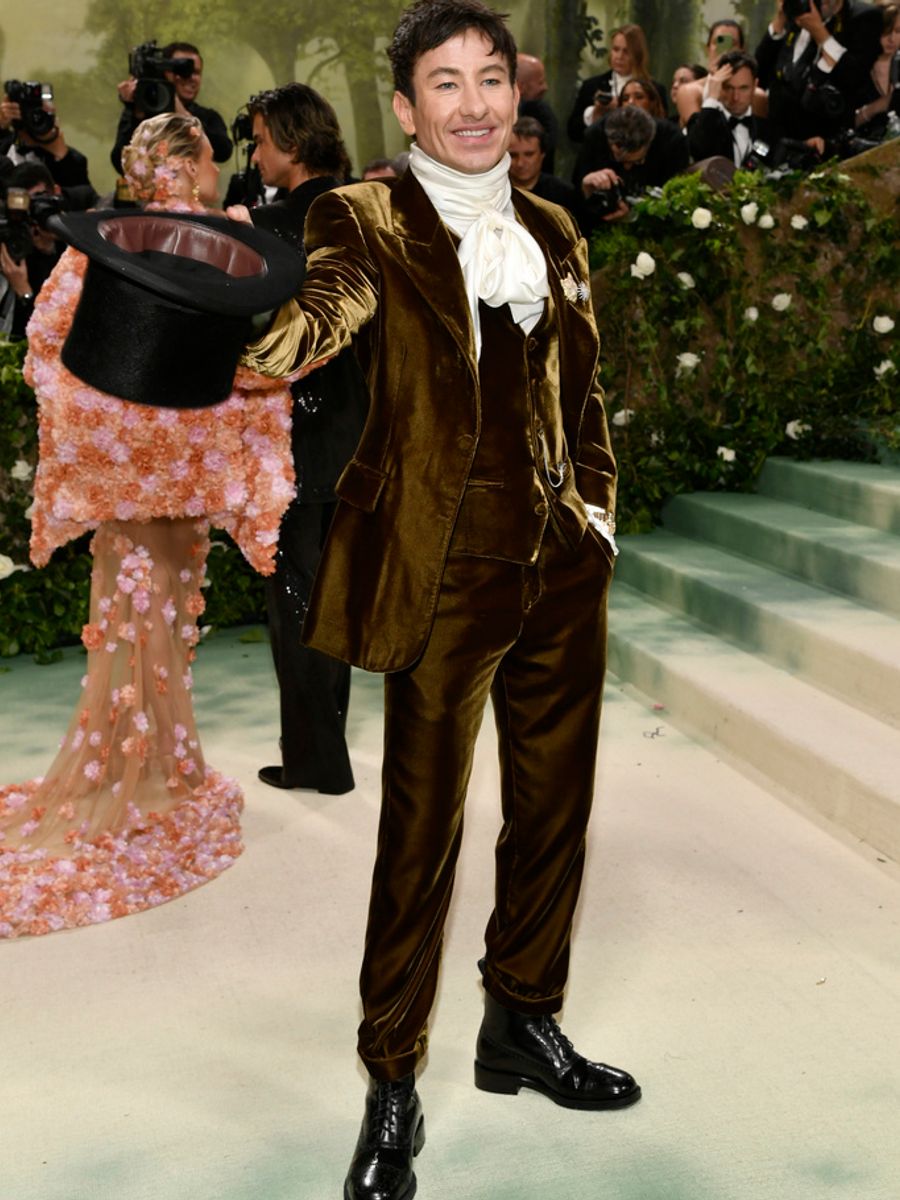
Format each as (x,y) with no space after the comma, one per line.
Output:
(465,104)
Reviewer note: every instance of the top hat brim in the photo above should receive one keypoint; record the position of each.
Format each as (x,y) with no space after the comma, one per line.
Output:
(206,264)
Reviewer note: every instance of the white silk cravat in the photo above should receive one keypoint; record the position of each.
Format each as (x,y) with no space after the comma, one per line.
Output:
(500,261)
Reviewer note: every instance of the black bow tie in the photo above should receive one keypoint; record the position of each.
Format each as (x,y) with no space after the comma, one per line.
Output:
(733,121)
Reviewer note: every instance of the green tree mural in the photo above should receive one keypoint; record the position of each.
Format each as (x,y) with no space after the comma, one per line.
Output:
(671,28)
(754,15)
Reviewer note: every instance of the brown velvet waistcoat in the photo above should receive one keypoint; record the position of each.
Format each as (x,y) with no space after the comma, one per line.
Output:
(521,473)
(380,257)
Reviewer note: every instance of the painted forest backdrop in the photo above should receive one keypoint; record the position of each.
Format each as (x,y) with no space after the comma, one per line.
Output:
(337,46)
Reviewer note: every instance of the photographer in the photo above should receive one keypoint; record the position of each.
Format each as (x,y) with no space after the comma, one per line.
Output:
(186,87)
(299,148)
(726,125)
(25,274)
(623,155)
(30,132)
(814,59)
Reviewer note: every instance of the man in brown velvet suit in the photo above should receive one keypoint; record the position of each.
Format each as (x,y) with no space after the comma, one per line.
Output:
(470,556)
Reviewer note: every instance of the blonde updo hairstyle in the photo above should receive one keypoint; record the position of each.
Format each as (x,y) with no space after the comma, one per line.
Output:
(158,149)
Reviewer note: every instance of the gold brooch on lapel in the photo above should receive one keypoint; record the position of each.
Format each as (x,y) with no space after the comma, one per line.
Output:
(575,290)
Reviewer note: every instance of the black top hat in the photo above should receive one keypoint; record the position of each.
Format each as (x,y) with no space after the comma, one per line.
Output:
(167,301)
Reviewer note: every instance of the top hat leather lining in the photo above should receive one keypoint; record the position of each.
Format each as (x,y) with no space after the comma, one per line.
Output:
(136,235)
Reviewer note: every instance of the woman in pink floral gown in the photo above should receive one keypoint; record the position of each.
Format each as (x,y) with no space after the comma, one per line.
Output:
(129,813)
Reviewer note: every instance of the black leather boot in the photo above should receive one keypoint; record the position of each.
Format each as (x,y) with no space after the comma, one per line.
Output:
(517,1050)
(393,1132)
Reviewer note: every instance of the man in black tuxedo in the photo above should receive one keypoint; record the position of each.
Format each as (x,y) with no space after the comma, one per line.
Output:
(187,88)
(299,148)
(630,149)
(814,64)
(726,126)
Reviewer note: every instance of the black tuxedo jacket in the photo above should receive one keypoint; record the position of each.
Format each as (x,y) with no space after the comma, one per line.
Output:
(330,405)
(858,28)
(709,134)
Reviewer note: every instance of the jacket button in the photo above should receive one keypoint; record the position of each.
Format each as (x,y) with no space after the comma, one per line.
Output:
(532,343)
(541,509)
(464,441)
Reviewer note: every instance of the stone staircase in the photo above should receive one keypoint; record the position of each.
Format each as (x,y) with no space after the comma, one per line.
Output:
(769,626)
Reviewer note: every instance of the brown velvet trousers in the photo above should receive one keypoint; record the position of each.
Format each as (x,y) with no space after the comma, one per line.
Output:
(534,639)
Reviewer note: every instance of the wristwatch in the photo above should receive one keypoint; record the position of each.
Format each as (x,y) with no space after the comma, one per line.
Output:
(27,297)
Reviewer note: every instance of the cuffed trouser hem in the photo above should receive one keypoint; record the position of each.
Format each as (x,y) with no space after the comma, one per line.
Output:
(391,1069)
(518,1003)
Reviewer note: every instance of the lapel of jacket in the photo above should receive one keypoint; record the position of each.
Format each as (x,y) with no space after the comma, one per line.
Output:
(566,263)
(421,241)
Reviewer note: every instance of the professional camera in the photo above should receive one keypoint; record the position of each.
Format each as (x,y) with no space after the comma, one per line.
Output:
(784,157)
(796,8)
(849,144)
(823,100)
(246,186)
(154,93)
(31,97)
(18,212)
(604,202)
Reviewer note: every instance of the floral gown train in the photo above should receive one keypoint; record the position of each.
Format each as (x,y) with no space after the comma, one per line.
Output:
(129,813)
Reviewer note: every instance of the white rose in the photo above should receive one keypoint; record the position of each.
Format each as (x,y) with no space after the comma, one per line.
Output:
(749,212)
(751,313)
(7,566)
(796,429)
(701,218)
(766,221)
(643,266)
(798,222)
(880,325)
(623,416)
(21,469)
(686,363)
(781,302)
(726,454)
(686,280)
(884,368)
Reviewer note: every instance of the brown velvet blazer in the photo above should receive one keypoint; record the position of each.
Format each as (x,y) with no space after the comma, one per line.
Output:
(380,257)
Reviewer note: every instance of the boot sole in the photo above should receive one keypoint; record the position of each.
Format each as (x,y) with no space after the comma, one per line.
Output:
(502,1083)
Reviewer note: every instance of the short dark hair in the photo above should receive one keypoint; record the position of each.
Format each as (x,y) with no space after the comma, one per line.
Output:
(174,49)
(303,124)
(528,127)
(427,24)
(29,174)
(731,24)
(630,128)
(737,60)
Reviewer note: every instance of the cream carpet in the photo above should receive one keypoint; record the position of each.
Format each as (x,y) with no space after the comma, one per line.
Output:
(741,961)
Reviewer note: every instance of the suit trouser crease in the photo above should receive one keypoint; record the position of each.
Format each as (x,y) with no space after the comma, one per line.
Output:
(533,638)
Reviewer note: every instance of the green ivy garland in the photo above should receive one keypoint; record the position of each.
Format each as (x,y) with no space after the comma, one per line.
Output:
(740,323)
